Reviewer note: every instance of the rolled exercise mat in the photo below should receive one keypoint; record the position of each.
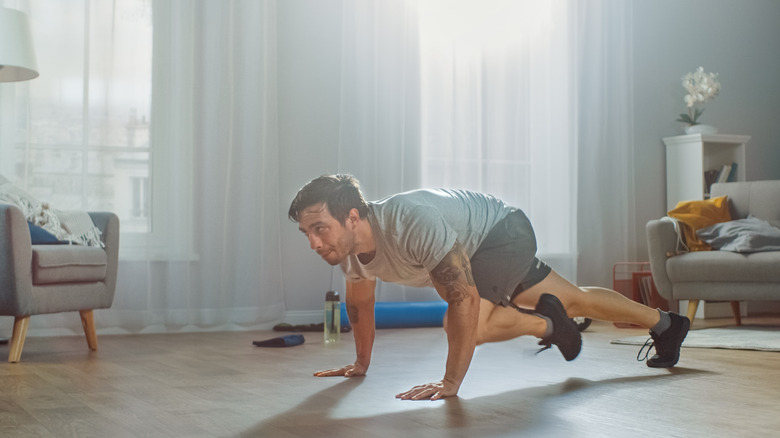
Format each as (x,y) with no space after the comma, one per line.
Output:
(404,314)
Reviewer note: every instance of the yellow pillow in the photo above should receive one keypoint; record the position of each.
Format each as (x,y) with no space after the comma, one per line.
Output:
(694,215)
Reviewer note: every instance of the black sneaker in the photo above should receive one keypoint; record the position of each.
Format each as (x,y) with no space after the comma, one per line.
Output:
(565,334)
(667,344)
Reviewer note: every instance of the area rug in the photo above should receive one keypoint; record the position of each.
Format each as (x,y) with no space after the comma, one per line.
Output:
(746,337)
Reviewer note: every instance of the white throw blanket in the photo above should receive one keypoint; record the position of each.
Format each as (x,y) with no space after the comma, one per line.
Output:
(72,226)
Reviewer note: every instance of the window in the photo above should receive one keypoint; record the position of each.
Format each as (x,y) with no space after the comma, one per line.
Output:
(85,135)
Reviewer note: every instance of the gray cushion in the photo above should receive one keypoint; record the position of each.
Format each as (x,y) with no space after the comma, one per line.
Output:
(756,198)
(742,235)
(709,266)
(67,264)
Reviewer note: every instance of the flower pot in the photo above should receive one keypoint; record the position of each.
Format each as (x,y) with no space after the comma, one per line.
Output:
(701,129)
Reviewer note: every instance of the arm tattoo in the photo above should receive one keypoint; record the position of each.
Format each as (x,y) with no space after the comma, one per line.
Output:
(466,263)
(352,314)
(451,272)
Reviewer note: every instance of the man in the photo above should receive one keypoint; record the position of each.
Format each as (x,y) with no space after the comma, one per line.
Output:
(480,256)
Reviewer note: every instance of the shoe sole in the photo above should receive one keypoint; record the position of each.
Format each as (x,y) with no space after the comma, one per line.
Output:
(680,338)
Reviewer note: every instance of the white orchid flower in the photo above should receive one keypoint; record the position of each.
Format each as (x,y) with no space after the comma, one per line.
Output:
(701,87)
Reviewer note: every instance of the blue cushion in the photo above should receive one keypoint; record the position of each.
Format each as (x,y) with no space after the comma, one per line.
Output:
(39,236)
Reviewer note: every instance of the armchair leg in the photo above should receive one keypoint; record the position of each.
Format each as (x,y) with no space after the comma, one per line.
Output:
(693,306)
(17,340)
(88,321)
(736,312)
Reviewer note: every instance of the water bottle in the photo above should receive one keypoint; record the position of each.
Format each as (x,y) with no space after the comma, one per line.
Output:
(332,317)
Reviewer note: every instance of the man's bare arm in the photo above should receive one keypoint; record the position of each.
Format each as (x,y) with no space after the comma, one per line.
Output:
(360,309)
(454,282)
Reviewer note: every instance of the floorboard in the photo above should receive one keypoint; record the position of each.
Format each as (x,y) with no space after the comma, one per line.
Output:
(220,385)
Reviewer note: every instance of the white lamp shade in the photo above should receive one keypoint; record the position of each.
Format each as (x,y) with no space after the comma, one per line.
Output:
(17,56)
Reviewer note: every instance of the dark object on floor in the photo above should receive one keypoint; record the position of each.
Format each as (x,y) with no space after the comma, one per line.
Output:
(3,341)
(284,341)
(284,327)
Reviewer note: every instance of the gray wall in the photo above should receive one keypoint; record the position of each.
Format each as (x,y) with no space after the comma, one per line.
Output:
(738,39)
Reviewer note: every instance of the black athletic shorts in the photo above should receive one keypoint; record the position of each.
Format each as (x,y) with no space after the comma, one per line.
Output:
(505,264)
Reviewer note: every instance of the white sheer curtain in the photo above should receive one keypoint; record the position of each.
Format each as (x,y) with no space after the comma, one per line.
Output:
(379,133)
(528,100)
(192,153)
(215,119)
(606,213)
(498,95)
(380,94)
(494,111)
(538,118)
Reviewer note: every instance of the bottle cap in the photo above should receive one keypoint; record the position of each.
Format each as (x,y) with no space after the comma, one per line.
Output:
(332,296)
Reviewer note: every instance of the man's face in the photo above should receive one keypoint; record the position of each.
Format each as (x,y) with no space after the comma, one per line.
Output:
(329,238)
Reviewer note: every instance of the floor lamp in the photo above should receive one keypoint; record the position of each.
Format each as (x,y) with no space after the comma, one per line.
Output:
(17,55)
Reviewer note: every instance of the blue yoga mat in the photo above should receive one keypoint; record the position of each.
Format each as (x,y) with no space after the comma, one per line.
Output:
(404,314)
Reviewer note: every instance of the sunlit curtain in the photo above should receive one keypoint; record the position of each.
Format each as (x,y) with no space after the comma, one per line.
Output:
(380,119)
(498,112)
(525,99)
(164,112)
(379,131)
(605,185)
(476,95)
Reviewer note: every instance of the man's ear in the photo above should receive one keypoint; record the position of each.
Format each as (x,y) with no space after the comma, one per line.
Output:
(354,216)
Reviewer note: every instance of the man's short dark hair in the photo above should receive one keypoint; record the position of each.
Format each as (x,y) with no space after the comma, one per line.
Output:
(340,193)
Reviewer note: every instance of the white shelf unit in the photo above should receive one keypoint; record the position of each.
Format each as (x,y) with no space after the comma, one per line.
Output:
(689,156)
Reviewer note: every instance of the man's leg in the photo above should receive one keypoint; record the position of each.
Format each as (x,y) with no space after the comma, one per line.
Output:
(548,321)
(498,323)
(668,330)
(591,302)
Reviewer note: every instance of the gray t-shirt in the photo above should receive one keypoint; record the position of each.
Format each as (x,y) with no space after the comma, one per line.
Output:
(415,230)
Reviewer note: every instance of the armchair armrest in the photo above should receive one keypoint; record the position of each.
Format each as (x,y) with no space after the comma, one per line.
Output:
(15,258)
(661,244)
(108,224)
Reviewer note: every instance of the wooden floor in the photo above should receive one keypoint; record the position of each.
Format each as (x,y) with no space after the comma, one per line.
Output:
(218,384)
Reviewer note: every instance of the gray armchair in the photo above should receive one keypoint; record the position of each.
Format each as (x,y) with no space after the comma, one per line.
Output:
(41,279)
(719,275)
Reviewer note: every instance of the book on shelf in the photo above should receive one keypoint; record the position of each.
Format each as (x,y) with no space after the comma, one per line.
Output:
(726,173)
(710,177)
(732,173)
(723,176)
